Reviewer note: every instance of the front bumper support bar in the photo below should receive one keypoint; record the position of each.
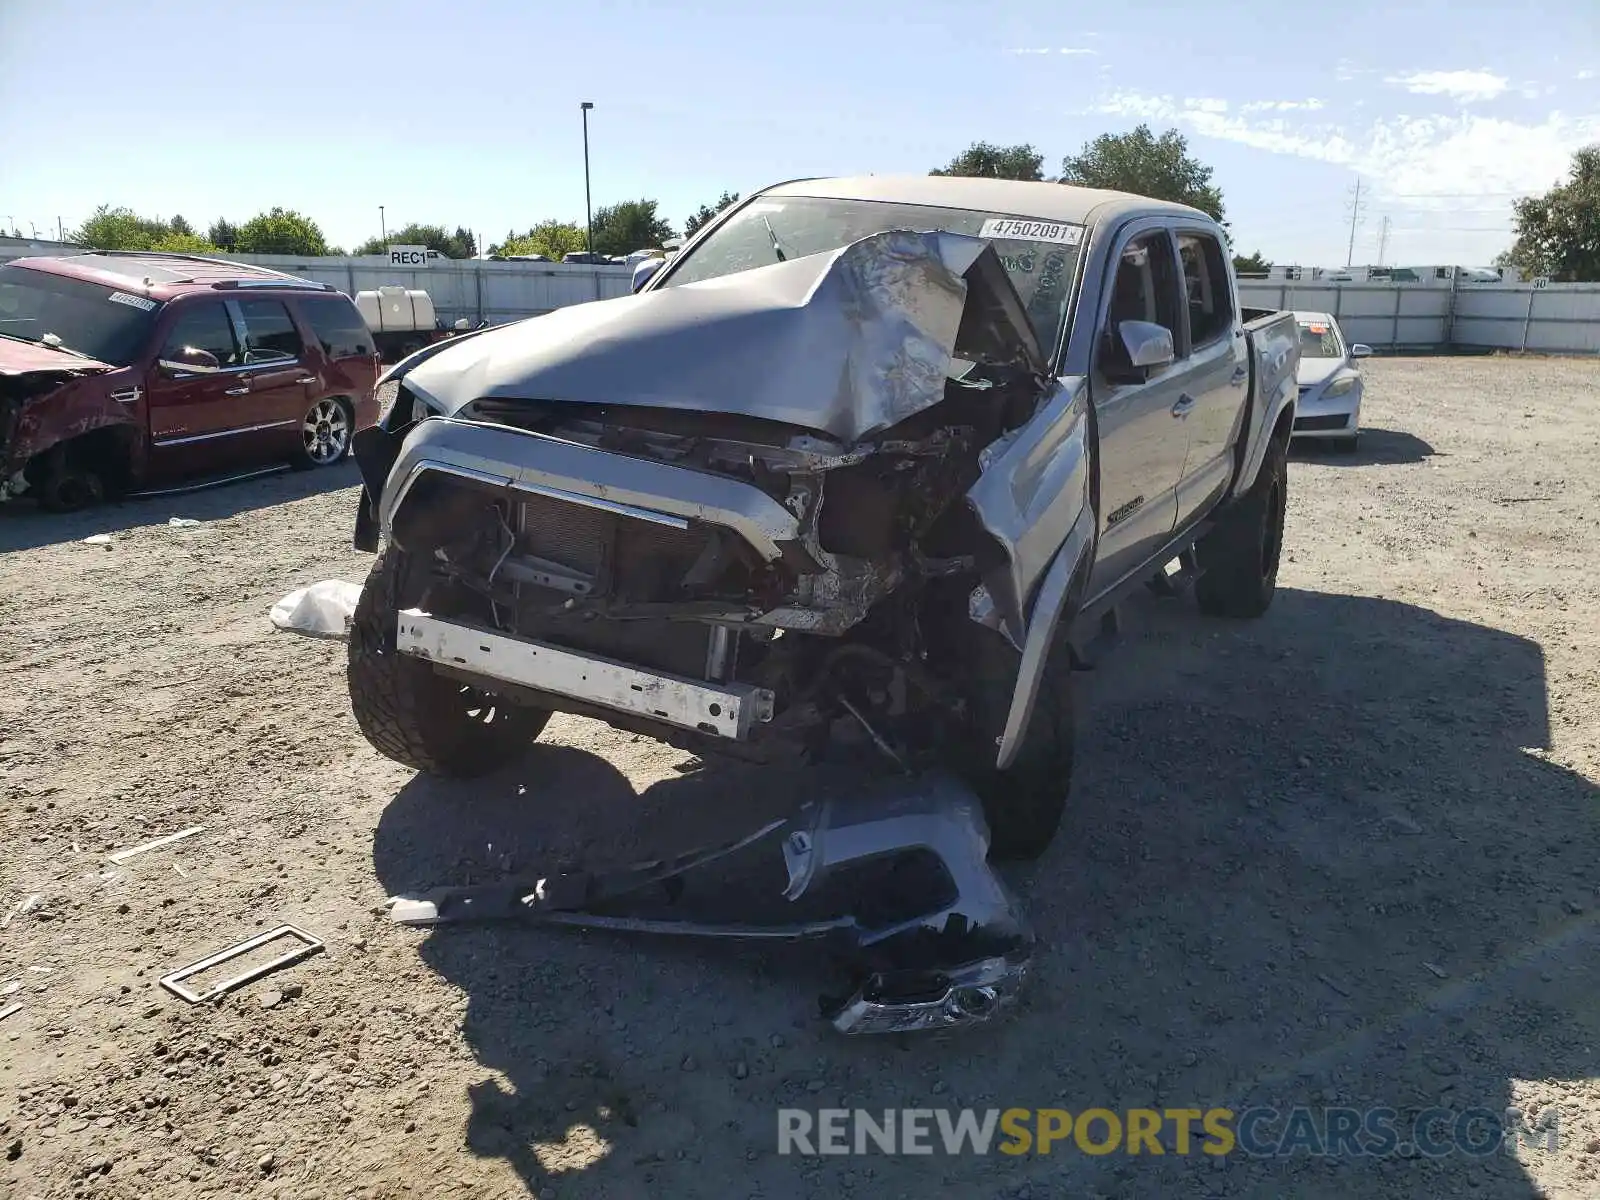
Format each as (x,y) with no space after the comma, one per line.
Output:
(728,710)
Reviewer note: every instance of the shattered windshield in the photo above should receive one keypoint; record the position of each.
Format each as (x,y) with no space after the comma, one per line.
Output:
(1039,256)
(74,314)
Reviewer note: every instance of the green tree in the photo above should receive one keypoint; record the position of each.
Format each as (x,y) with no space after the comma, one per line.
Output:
(629,226)
(223,234)
(1558,233)
(703,214)
(183,243)
(181,227)
(983,160)
(549,238)
(280,231)
(1251,264)
(1141,163)
(119,229)
(459,244)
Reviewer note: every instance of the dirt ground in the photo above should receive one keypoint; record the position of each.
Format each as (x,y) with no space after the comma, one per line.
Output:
(1348,855)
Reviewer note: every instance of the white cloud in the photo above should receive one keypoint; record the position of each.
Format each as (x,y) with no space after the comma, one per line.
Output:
(1465,86)
(1207,105)
(1584,74)
(1434,160)
(1048,50)
(1311,105)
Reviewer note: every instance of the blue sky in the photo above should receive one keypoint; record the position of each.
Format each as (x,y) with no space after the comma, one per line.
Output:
(468,113)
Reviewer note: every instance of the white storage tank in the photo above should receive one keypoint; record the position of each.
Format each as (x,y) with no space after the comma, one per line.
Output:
(396,309)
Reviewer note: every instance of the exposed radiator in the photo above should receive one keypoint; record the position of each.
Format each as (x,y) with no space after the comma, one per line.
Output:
(632,559)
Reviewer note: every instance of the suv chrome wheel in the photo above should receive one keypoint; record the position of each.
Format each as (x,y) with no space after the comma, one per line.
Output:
(326,432)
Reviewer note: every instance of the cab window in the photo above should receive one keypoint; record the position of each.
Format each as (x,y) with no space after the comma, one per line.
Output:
(269,333)
(1205,282)
(1145,289)
(203,326)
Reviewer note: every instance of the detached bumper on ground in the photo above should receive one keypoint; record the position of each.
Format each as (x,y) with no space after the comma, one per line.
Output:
(953,952)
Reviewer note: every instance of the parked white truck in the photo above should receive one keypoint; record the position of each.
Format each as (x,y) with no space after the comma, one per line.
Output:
(869,454)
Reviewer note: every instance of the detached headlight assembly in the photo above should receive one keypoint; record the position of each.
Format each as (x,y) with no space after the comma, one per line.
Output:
(1340,387)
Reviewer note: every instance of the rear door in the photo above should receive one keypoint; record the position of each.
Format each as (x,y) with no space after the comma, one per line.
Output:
(1216,365)
(282,384)
(195,416)
(1141,430)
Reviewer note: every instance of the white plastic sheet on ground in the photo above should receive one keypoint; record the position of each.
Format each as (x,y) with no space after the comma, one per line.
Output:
(322,610)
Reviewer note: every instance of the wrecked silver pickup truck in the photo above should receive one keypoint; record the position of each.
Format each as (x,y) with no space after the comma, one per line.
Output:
(863,461)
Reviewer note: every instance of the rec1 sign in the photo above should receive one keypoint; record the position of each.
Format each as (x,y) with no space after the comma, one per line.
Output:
(409,256)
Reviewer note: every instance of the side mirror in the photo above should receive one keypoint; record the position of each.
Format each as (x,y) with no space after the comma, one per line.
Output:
(190,361)
(1360,351)
(1148,345)
(1134,349)
(643,272)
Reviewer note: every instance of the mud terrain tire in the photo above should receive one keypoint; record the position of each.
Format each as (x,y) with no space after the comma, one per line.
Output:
(1023,804)
(411,714)
(1238,559)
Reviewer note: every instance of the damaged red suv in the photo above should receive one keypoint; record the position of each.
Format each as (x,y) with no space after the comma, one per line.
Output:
(123,372)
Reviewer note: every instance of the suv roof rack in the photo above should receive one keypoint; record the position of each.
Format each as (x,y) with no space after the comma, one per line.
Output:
(276,278)
(288,281)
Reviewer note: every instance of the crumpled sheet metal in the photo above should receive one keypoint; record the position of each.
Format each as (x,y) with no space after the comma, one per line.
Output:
(847,342)
(960,959)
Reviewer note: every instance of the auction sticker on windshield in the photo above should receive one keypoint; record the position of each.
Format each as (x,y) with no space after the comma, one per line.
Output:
(132,301)
(1031,231)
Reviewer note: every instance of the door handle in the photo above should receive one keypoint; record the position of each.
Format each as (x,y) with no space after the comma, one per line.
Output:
(128,395)
(241,391)
(307,379)
(1182,407)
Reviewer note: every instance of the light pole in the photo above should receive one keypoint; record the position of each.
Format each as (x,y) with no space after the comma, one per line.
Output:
(383,229)
(588,210)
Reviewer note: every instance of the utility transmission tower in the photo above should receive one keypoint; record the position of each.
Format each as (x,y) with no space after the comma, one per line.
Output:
(1383,240)
(1355,219)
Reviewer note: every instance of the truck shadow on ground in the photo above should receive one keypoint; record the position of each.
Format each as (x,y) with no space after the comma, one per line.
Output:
(1309,861)
(1378,447)
(25,526)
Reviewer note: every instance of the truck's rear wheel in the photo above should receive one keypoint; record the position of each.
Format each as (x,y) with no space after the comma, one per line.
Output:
(1023,804)
(409,712)
(1238,559)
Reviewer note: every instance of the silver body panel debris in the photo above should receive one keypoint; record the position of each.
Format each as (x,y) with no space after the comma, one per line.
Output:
(122,856)
(956,956)
(308,944)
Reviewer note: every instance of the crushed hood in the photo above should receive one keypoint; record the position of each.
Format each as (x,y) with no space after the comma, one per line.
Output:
(847,343)
(24,358)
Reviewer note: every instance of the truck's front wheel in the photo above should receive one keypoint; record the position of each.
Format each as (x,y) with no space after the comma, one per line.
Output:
(409,712)
(1023,803)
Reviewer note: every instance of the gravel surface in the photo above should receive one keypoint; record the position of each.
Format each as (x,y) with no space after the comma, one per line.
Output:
(1344,855)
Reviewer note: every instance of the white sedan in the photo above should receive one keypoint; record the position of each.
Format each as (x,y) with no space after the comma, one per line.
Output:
(1330,382)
